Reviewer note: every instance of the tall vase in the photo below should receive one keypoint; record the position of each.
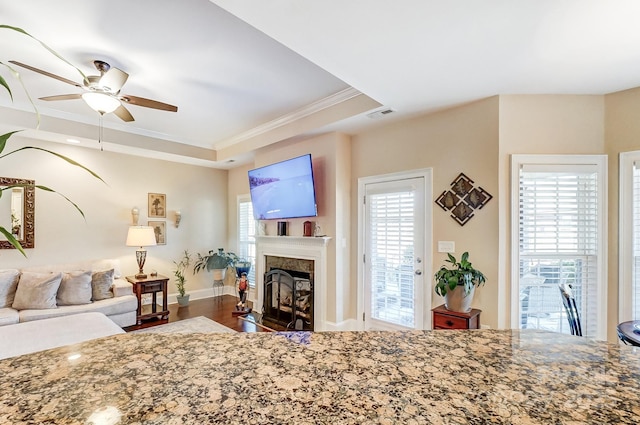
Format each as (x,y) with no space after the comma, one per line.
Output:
(457,300)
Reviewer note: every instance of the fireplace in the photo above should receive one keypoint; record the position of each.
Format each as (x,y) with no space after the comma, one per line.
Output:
(288,299)
(302,258)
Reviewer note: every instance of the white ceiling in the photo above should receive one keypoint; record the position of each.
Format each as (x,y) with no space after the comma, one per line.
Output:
(247,73)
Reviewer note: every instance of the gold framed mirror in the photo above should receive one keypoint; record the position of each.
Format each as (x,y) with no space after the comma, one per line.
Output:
(17,211)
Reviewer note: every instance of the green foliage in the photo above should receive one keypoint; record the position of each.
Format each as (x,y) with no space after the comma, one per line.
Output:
(181,267)
(215,260)
(4,138)
(459,273)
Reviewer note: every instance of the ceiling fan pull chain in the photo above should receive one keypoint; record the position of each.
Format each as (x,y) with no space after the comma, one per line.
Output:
(100,134)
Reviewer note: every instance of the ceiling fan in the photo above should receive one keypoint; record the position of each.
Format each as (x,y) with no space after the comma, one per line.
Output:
(102,92)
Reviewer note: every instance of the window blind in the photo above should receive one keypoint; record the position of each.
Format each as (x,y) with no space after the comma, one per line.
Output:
(558,243)
(391,221)
(636,242)
(247,237)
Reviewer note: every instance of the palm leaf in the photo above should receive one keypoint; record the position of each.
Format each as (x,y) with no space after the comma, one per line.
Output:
(69,160)
(58,193)
(53,52)
(6,85)
(4,138)
(12,240)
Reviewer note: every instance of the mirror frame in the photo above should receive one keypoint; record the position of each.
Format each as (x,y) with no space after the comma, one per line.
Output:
(29,208)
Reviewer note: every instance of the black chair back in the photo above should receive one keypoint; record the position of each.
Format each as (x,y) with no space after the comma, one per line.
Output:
(570,307)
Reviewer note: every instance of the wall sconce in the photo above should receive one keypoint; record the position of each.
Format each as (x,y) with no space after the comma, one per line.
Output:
(178,218)
(135,214)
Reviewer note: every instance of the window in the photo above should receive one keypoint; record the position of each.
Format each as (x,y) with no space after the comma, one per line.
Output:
(247,235)
(559,237)
(629,279)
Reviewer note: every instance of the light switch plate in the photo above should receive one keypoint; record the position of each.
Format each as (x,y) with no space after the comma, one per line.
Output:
(446,246)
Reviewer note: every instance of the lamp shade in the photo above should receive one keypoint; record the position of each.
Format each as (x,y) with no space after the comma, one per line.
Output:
(141,236)
(101,102)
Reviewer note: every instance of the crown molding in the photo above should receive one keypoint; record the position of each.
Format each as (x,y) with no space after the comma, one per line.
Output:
(312,108)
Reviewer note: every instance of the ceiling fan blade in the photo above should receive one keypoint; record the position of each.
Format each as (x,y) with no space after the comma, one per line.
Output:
(124,114)
(62,97)
(147,103)
(113,80)
(48,74)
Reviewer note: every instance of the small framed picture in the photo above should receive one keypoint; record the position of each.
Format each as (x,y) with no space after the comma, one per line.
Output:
(157,205)
(160,229)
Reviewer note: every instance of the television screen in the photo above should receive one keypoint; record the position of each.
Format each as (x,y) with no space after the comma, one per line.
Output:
(283,190)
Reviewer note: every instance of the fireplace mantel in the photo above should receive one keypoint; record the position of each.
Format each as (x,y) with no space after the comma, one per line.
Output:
(294,240)
(304,247)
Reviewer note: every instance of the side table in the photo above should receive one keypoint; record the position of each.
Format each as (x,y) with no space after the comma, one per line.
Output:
(446,319)
(150,285)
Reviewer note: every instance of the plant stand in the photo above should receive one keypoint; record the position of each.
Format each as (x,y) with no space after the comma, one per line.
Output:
(447,319)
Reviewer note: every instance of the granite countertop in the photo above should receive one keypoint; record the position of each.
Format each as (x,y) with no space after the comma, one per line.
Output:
(419,377)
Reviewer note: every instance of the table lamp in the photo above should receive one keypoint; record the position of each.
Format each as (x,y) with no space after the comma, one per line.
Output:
(141,236)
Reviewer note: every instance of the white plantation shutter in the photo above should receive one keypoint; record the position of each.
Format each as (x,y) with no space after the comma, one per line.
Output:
(636,243)
(391,221)
(247,236)
(560,226)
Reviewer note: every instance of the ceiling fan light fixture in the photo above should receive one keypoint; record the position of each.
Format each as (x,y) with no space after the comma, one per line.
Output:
(100,102)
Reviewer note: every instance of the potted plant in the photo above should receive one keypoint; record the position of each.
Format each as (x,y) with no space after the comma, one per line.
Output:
(457,283)
(217,262)
(181,267)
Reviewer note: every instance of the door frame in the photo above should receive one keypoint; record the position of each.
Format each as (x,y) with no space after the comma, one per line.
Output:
(427,269)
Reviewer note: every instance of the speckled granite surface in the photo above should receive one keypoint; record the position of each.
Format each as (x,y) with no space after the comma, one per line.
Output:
(431,377)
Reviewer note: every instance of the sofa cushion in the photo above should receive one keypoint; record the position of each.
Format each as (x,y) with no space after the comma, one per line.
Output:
(109,307)
(37,291)
(55,332)
(75,288)
(8,284)
(101,285)
(8,316)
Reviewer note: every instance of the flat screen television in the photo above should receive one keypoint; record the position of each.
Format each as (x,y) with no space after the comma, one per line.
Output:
(283,190)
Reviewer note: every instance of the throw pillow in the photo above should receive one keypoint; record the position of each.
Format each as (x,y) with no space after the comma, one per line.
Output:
(75,288)
(37,291)
(101,285)
(8,284)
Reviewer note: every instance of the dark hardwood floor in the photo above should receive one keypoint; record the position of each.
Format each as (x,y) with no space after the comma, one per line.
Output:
(218,309)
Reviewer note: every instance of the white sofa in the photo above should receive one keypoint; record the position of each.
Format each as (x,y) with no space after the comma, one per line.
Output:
(30,337)
(119,303)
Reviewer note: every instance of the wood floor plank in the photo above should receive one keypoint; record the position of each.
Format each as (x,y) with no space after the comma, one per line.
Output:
(218,309)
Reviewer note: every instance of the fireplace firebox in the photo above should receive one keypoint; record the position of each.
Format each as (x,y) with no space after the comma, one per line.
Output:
(288,299)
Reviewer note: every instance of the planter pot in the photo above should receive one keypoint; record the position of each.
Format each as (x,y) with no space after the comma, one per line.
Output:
(183,301)
(456,300)
(218,275)
(242,267)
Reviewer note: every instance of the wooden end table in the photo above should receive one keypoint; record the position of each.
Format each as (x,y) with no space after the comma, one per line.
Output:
(446,319)
(150,285)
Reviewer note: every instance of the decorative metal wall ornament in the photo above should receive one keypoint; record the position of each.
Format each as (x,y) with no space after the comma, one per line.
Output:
(462,199)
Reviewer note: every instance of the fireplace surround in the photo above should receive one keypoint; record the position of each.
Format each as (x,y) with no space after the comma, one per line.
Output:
(301,248)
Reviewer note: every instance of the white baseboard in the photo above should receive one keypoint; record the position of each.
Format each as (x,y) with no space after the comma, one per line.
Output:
(345,325)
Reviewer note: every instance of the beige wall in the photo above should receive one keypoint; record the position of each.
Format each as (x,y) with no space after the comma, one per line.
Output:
(330,157)
(63,236)
(460,140)
(476,139)
(539,124)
